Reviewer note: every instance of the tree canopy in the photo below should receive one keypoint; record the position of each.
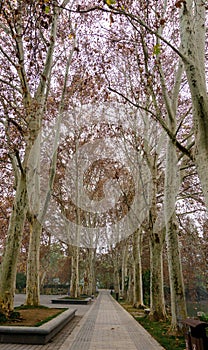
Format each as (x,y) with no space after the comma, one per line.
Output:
(104,124)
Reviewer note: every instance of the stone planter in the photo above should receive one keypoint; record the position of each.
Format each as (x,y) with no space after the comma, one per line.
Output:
(36,335)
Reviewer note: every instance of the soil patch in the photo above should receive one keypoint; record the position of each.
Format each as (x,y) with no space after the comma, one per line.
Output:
(31,317)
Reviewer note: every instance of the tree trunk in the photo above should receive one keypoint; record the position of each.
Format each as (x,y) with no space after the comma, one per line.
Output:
(34,112)
(13,243)
(178,303)
(177,290)
(33,264)
(192,21)
(157,239)
(130,290)
(116,280)
(172,183)
(124,268)
(89,273)
(33,290)
(74,283)
(138,301)
(33,174)
(157,299)
(116,273)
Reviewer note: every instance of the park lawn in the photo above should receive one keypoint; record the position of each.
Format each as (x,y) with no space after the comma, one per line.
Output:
(159,330)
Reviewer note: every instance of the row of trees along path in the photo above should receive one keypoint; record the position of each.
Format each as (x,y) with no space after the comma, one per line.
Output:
(149,58)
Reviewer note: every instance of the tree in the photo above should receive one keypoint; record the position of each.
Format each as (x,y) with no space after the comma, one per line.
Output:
(128,54)
(188,43)
(31,81)
(154,28)
(192,33)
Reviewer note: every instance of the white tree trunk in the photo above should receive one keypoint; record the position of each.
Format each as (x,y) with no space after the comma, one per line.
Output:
(138,301)
(33,264)
(130,290)
(124,268)
(116,276)
(89,273)
(157,299)
(157,239)
(34,114)
(12,248)
(172,183)
(178,303)
(177,290)
(192,22)
(74,282)
(33,290)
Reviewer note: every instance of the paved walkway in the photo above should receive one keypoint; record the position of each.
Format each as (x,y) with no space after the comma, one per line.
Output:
(104,326)
(107,326)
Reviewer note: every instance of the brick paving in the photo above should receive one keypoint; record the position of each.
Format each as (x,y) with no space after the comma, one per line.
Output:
(103,325)
(107,326)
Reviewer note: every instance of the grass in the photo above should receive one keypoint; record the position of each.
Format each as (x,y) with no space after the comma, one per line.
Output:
(78,298)
(25,307)
(159,330)
(49,318)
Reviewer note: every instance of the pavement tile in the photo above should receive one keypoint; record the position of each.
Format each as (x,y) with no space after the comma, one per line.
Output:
(103,325)
(107,326)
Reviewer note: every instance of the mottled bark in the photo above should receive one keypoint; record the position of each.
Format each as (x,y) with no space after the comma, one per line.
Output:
(192,29)
(12,247)
(157,239)
(89,272)
(157,299)
(116,280)
(33,109)
(172,183)
(177,290)
(33,264)
(124,268)
(74,282)
(137,270)
(116,276)
(33,290)
(130,291)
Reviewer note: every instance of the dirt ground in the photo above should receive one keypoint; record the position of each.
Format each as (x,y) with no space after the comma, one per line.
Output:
(29,317)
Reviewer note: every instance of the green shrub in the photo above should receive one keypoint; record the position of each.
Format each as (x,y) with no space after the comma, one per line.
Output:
(204,318)
(2,318)
(14,315)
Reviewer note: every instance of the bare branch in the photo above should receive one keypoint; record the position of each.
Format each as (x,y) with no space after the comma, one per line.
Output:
(19,161)
(162,122)
(8,57)
(131,18)
(6,82)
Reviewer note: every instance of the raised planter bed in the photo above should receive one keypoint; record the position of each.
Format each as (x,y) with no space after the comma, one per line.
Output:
(82,301)
(36,335)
